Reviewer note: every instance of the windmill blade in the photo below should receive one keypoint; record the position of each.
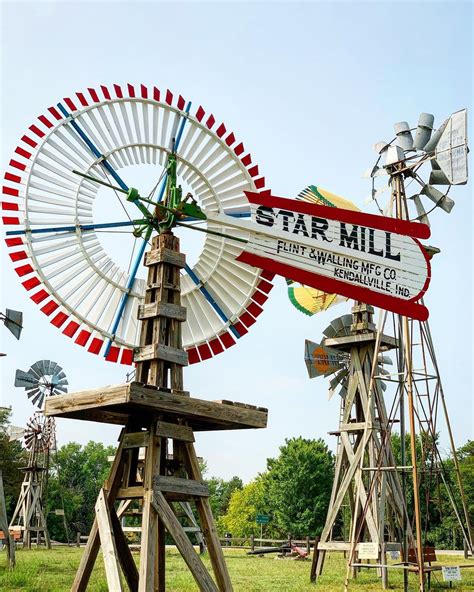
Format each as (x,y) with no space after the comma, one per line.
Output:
(423,131)
(382,359)
(440,199)
(404,137)
(337,379)
(25,379)
(14,321)
(37,369)
(32,392)
(420,210)
(321,360)
(59,388)
(329,332)
(38,399)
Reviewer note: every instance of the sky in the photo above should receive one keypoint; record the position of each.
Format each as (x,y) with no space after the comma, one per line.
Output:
(310,88)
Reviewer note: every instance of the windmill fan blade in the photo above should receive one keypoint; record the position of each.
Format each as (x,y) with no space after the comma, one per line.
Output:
(337,379)
(385,360)
(435,138)
(37,369)
(423,131)
(61,374)
(32,392)
(337,324)
(404,137)
(38,400)
(381,384)
(60,388)
(420,210)
(343,392)
(62,381)
(25,379)
(442,201)
(53,367)
(329,331)
(14,322)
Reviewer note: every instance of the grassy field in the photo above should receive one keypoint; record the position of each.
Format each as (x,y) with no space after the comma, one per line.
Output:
(53,571)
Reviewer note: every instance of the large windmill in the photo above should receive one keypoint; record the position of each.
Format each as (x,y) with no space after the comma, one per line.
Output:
(201,180)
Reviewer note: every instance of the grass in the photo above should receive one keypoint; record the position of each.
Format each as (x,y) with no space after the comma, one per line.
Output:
(39,570)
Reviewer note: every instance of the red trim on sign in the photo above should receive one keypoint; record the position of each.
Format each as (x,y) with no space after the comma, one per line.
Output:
(144,91)
(127,357)
(71,328)
(8,220)
(407,308)
(246,160)
(227,339)
(193,356)
(105,92)
(254,309)
(31,283)
(220,131)
(204,351)
(210,121)
(83,337)
(59,319)
(94,95)
(10,191)
(17,165)
(29,141)
(13,242)
(412,229)
(156,93)
(70,104)
(18,255)
(7,205)
(36,131)
(181,102)
(82,99)
(247,319)
(24,270)
(239,149)
(216,346)
(169,97)
(45,121)
(95,345)
(118,91)
(230,139)
(49,307)
(55,113)
(19,150)
(39,296)
(113,354)
(131,90)
(12,178)
(200,114)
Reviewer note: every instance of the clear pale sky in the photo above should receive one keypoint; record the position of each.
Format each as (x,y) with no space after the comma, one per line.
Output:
(310,88)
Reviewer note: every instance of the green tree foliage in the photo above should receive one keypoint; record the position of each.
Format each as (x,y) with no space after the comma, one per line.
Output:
(299,486)
(221,492)
(77,474)
(244,505)
(12,457)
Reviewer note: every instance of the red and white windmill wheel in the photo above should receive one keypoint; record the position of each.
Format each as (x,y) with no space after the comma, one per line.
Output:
(56,233)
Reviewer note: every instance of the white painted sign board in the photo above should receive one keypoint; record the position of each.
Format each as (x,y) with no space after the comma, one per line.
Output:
(368,550)
(451,573)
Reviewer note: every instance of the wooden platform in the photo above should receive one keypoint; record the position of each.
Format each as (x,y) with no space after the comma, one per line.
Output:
(117,404)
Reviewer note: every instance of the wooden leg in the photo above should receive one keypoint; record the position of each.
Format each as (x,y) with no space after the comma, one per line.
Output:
(208,525)
(192,559)
(161,557)
(124,554)
(314,561)
(109,549)
(148,544)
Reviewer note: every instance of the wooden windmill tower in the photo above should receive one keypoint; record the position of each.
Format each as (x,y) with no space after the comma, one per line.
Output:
(29,515)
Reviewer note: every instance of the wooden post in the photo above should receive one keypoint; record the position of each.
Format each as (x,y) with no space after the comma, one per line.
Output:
(10,543)
(252,542)
(308,545)
(78,539)
(385,585)
(314,562)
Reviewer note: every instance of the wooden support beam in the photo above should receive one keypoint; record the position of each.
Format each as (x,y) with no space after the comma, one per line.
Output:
(162,309)
(109,550)
(186,487)
(161,352)
(163,255)
(192,559)
(136,440)
(174,431)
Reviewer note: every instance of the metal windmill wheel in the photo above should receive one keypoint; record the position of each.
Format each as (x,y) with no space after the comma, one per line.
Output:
(432,158)
(40,433)
(59,218)
(44,379)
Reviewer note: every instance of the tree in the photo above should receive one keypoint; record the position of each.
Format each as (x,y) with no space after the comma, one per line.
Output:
(220,493)
(77,474)
(244,505)
(12,457)
(299,486)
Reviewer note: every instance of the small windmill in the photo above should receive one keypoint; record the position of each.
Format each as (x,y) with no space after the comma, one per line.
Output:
(28,517)
(44,378)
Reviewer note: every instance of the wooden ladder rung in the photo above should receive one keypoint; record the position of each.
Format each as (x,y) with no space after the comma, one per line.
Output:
(161,352)
(136,439)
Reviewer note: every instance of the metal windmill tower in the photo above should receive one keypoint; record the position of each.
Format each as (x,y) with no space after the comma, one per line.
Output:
(44,379)
(418,399)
